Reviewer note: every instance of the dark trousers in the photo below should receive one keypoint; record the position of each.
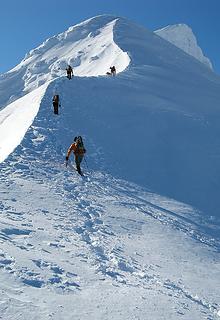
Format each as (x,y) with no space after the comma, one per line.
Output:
(69,75)
(55,106)
(78,160)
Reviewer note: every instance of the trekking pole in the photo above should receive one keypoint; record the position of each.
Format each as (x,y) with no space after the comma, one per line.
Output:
(67,162)
(86,163)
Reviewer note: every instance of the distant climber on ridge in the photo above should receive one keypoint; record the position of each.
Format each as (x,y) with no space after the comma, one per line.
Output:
(69,72)
(113,70)
(78,149)
(56,103)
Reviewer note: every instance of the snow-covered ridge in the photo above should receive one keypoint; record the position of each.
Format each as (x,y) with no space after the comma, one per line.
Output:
(88,47)
(182,36)
(99,247)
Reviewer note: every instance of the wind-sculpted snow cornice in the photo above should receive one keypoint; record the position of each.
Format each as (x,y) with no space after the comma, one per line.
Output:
(89,47)
(145,48)
(86,27)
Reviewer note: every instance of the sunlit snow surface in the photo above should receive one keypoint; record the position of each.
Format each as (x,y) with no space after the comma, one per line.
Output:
(182,36)
(88,47)
(111,245)
(16,118)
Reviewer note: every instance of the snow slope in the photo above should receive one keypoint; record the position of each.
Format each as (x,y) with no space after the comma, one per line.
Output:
(115,244)
(183,37)
(16,118)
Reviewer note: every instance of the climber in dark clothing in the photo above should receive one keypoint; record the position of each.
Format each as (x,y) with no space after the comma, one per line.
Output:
(56,104)
(113,71)
(69,72)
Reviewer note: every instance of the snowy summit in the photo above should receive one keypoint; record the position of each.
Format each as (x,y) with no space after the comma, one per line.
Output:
(183,37)
(137,236)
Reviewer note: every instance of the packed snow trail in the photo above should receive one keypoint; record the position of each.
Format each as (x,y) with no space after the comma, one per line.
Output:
(98,239)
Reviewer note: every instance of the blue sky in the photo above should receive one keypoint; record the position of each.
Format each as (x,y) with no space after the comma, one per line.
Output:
(25,24)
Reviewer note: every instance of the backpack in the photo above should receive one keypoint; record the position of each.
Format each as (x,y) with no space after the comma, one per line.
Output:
(80,145)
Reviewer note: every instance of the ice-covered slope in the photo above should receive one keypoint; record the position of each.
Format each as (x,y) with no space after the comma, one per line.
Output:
(183,37)
(107,248)
(89,47)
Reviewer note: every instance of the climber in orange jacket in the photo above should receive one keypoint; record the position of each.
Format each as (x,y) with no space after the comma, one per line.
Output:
(78,149)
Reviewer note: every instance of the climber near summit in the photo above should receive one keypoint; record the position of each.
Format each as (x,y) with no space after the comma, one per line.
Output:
(69,72)
(78,149)
(56,103)
(113,71)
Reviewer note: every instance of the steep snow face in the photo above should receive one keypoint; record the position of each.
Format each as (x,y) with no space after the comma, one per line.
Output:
(156,124)
(88,47)
(101,242)
(183,37)
(16,118)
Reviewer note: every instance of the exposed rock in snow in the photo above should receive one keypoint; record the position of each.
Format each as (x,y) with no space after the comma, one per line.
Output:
(183,37)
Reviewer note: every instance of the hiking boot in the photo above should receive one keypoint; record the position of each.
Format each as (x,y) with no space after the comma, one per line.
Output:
(79,170)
